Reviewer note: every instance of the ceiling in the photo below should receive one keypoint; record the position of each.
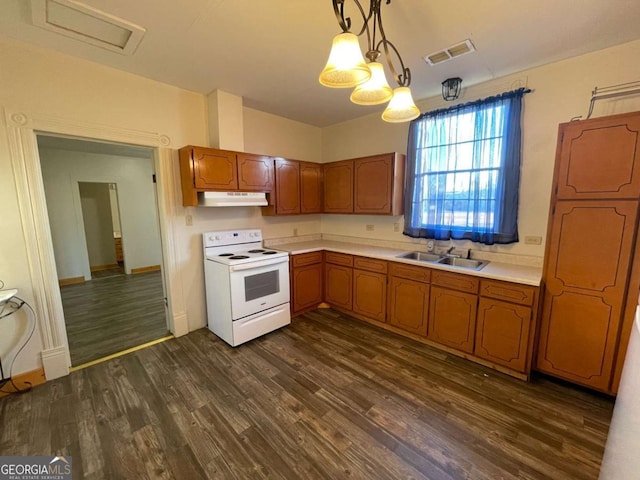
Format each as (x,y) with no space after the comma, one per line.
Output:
(270,52)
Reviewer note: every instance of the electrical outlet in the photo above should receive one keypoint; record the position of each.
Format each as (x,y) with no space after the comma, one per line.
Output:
(369,228)
(188,219)
(295,232)
(396,227)
(533,240)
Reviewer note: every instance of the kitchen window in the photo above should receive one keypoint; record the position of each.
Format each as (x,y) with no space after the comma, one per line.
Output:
(463,167)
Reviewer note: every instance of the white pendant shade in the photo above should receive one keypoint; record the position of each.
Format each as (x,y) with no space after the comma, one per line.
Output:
(374,91)
(401,108)
(346,67)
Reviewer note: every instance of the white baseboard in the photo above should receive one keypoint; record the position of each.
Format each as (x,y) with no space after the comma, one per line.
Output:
(180,324)
(54,362)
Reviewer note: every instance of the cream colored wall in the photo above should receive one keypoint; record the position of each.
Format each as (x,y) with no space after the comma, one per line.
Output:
(561,91)
(263,134)
(272,135)
(40,81)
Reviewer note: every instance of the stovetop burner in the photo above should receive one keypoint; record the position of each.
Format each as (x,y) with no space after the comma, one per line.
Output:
(259,250)
(225,254)
(239,257)
(269,253)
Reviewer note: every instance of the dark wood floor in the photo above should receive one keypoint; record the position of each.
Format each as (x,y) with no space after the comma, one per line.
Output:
(327,397)
(108,315)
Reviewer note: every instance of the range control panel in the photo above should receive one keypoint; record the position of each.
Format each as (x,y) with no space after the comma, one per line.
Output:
(232,237)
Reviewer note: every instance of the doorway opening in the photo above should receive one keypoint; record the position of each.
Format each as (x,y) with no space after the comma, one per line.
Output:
(103,233)
(103,215)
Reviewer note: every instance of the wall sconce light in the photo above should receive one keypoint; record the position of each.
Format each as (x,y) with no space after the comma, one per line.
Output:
(451,88)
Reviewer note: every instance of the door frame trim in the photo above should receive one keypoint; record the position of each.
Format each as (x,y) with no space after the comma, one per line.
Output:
(22,127)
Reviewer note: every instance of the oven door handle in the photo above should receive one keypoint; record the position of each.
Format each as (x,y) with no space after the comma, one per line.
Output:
(258,264)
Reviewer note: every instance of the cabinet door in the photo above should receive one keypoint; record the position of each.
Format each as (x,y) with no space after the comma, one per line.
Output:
(287,186)
(337,285)
(409,305)
(370,294)
(588,260)
(311,186)
(502,333)
(214,169)
(307,287)
(338,187)
(452,317)
(255,173)
(599,158)
(373,184)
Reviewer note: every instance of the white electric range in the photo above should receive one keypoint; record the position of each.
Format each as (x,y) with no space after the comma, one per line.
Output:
(247,285)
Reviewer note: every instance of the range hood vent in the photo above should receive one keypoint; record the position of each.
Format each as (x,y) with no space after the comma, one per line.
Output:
(232,199)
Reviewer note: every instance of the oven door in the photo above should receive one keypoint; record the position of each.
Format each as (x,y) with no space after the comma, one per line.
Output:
(258,286)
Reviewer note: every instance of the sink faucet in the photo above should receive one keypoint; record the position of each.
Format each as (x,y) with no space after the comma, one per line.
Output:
(449,254)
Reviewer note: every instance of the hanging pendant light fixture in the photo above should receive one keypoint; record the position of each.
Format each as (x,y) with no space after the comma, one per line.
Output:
(346,67)
(371,87)
(374,91)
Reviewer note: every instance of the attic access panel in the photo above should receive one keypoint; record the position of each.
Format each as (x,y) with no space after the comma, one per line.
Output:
(81,22)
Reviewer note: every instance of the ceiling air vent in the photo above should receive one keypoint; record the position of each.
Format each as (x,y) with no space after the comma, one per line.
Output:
(454,51)
(87,24)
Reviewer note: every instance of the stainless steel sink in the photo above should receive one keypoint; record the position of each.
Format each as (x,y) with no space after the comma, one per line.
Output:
(421,256)
(462,262)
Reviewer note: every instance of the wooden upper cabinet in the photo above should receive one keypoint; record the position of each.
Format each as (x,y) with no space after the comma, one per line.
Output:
(378,184)
(214,169)
(311,187)
(338,187)
(599,158)
(205,169)
(255,172)
(287,187)
(588,262)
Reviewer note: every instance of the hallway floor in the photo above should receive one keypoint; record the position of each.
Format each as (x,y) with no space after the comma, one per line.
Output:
(108,315)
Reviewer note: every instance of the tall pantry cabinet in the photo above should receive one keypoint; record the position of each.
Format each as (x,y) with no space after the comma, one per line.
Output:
(591,274)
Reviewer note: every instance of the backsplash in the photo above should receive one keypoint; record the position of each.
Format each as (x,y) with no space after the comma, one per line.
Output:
(415,244)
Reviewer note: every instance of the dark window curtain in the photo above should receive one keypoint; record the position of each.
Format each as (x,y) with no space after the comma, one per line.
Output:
(463,171)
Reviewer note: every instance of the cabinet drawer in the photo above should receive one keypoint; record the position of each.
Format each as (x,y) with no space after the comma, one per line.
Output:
(370,264)
(419,274)
(339,259)
(510,292)
(306,259)
(456,281)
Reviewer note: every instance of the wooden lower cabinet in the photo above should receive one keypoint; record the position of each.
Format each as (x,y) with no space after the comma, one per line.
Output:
(370,294)
(452,318)
(307,291)
(503,333)
(338,285)
(488,321)
(408,305)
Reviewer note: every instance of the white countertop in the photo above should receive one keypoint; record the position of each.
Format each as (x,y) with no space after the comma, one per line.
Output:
(495,270)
